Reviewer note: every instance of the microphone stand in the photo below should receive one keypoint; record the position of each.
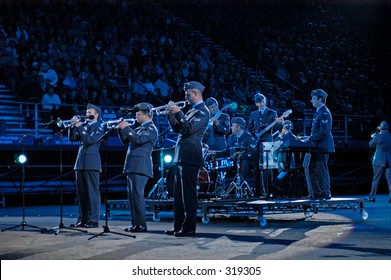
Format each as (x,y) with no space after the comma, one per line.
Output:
(106,228)
(23,224)
(61,225)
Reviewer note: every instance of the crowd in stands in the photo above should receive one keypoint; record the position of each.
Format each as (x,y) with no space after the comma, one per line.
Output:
(119,53)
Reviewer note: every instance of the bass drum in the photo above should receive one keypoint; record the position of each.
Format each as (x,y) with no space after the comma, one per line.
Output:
(203,183)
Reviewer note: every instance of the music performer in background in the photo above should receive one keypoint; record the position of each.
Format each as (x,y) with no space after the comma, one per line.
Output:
(323,139)
(138,162)
(218,127)
(259,120)
(241,145)
(188,157)
(381,160)
(87,167)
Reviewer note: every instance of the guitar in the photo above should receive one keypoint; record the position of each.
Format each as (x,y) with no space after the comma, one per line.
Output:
(218,114)
(263,131)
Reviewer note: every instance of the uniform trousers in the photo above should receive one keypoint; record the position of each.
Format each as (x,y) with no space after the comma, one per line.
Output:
(87,190)
(185,197)
(319,174)
(378,172)
(136,184)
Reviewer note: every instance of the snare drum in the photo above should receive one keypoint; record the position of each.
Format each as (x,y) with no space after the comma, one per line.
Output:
(219,164)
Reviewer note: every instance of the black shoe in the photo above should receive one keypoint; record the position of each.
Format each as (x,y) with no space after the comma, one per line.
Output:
(326,197)
(182,233)
(138,229)
(370,199)
(312,197)
(91,225)
(170,232)
(77,224)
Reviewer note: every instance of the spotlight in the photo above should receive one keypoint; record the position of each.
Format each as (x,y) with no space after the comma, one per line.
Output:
(21,159)
(167,158)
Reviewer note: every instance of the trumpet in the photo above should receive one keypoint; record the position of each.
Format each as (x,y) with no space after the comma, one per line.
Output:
(373,134)
(114,123)
(163,109)
(70,123)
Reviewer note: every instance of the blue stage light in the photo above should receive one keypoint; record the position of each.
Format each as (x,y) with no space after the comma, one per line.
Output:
(21,159)
(167,158)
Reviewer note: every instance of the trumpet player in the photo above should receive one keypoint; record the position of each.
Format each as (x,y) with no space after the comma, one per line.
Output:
(138,162)
(188,158)
(87,167)
(381,161)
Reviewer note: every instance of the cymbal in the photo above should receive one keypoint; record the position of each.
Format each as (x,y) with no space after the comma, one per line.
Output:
(237,148)
(162,149)
(215,151)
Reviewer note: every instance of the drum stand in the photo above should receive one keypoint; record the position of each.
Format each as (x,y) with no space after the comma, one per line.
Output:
(242,188)
(220,185)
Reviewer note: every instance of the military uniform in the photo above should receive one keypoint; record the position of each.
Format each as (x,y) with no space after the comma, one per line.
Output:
(323,139)
(249,143)
(258,121)
(138,166)
(215,134)
(87,169)
(188,159)
(381,160)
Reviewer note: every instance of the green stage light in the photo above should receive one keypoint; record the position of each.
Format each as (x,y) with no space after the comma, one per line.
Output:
(167,158)
(21,159)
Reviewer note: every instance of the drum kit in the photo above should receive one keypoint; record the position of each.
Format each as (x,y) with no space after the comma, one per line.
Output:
(217,168)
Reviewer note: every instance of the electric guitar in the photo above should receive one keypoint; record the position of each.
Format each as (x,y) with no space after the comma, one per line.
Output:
(218,114)
(263,131)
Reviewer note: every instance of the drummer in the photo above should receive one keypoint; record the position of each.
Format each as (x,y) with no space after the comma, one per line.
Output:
(241,146)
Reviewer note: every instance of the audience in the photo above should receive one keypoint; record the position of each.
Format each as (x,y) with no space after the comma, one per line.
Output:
(140,51)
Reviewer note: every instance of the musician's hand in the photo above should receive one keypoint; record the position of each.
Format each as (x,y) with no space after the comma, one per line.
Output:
(215,121)
(280,119)
(123,124)
(172,108)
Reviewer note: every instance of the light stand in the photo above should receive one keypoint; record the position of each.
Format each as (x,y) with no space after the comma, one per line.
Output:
(242,188)
(106,228)
(61,225)
(23,223)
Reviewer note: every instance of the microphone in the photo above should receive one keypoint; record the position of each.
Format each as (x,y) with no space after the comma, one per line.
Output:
(90,117)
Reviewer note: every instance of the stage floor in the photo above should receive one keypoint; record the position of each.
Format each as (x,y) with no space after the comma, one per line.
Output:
(335,234)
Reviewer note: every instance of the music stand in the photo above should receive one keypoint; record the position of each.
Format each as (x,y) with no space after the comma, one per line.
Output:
(23,224)
(242,188)
(61,224)
(106,228)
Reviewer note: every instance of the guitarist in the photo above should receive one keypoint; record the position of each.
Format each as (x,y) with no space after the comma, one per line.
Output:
(218,127)
(258,120)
